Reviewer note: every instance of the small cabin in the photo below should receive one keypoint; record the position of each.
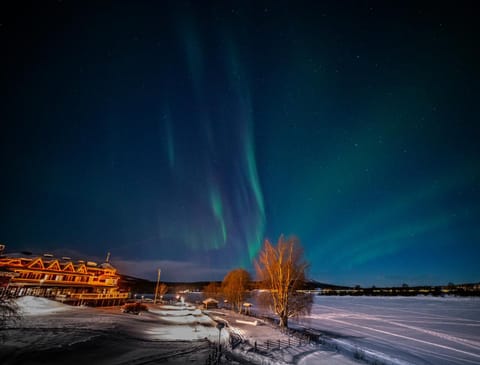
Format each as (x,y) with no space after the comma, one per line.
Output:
(210,303)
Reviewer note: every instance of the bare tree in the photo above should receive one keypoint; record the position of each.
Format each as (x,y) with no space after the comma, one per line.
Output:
(235,285)
(162,290)
(212,290)
(281,269)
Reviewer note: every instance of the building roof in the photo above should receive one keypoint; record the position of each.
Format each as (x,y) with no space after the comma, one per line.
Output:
(106,265)
(7,272)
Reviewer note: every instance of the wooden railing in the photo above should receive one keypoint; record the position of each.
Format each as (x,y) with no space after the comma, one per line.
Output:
(46,283)
(86,296)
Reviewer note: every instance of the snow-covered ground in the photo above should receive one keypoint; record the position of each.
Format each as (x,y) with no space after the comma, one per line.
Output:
(376,330)
(401,330)
(37,306)
(273,346)
(54,333)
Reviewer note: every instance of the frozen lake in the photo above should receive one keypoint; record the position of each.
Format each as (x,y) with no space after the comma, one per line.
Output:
(402,330)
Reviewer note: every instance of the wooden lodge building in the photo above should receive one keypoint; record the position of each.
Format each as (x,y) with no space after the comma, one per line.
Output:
(72,282)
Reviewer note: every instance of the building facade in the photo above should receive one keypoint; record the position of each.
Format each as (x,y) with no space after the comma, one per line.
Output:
(72,282)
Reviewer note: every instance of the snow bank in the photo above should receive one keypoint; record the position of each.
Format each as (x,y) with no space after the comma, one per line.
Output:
(203,320)
(176,313)
(252,323)
(29,305)
(325,357)
(184,324)
(186,333)
(177,307)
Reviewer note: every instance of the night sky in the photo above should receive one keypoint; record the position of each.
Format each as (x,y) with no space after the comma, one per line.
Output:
(181,134)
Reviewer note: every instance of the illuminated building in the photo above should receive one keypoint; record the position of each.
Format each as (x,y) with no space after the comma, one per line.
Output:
(72,282)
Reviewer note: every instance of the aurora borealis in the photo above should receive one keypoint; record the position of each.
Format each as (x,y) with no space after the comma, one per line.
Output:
(181,134)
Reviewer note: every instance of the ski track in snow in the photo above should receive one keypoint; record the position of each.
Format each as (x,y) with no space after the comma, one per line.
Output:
(369,317)
(396,334)
(407,338)
(427,315)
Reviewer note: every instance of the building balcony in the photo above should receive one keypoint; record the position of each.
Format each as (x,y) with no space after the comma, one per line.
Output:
(90,296)
(52,283)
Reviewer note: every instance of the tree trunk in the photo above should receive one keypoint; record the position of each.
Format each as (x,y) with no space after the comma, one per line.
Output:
(283,321)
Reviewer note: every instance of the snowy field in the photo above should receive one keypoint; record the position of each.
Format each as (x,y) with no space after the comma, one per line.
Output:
(400,330)
(357,330)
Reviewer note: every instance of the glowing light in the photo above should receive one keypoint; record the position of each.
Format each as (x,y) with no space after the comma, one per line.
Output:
(170,146)
(238,80)
(217,207)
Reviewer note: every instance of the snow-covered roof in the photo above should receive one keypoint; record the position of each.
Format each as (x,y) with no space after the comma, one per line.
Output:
(106,265)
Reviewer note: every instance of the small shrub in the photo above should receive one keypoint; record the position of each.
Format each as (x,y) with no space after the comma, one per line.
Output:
(134,308)
(359,355)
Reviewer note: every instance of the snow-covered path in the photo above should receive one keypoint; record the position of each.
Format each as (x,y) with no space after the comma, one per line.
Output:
(419,330)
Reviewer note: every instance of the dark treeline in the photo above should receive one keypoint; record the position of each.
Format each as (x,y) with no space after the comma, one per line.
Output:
(462,290)
(136,285)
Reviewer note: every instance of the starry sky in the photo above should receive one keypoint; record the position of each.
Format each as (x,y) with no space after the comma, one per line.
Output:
(181,134)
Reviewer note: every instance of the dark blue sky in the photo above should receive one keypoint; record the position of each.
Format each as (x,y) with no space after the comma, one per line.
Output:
(181,134)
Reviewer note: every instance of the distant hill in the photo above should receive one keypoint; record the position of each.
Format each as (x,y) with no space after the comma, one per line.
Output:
(137,285)
(312,285)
